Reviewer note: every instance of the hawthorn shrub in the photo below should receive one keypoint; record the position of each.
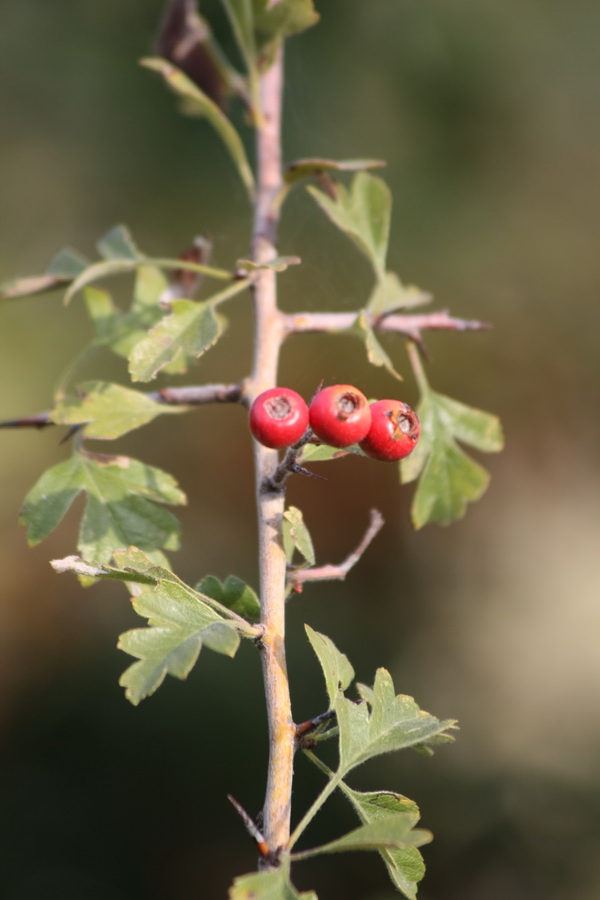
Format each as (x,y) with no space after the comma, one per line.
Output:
(176,314)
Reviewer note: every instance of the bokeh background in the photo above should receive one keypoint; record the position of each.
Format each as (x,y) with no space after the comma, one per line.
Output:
(487,113)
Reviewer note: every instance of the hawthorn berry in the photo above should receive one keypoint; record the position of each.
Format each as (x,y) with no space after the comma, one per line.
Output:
(340,415)
(278,417)
(394,432)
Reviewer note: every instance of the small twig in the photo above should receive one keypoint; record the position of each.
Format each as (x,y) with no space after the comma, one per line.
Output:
(194,395)
(338,573)
(198,395)
(253,830)
(42,420)
(409,325)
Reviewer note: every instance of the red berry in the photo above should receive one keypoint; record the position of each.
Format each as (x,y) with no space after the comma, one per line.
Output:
(340,415)
(394,431)
(278,417)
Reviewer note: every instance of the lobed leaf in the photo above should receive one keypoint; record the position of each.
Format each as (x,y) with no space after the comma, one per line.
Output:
(405,865)
(181,620)
(272,884)
(202,105)
(363,212)
(190,329)
(393,723)
(124,500)
(449,478)
(163,650)
(110,410)
(234,594)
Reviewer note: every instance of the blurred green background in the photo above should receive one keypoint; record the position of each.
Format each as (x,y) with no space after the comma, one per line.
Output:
(487,113)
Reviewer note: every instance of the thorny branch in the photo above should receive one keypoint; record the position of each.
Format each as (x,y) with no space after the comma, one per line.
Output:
(409,325)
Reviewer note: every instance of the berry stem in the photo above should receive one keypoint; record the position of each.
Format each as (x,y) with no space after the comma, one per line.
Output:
(268,337)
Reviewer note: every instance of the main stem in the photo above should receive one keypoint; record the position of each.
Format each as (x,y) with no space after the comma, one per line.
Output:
(268,337)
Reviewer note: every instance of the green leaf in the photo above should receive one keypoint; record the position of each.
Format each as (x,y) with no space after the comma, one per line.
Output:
(336,666)
(272,884)
(191,328)
(118,244)
(389,294)
(106,317)
(375,352)
(296,535)
(241,17)
(274,23)
(363,212)
(122,330)
(234,594)
(450,479)
(109,409)
(309,168)
(392,832)
(393,723)
(324,453)
(122,497)
(133,561)
(172,649)
(68,264)
(405,865)
(49,499)
(180,620)
(204,106)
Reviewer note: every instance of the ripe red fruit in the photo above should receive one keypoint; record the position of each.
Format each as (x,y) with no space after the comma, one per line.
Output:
(340,415)
(278,417)
(394,432)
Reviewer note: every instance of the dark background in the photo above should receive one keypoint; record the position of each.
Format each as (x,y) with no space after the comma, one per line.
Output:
(487,113)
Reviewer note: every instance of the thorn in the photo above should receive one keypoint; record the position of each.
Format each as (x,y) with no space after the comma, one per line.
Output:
(305,727)
(297,469)
(72,431)
(318,388)
(252,829)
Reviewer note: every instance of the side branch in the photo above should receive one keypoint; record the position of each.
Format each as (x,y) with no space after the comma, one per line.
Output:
(199,395)
(409,325)
(339,572)
(194,395)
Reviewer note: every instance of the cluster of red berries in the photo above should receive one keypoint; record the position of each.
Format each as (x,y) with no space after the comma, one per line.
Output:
(340,416)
